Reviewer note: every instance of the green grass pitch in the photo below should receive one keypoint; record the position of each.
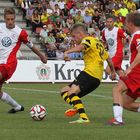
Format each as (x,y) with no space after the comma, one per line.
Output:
(55,126)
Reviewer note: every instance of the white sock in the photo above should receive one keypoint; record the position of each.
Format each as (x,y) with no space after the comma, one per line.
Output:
(9,100)
(138,110)
(118,110)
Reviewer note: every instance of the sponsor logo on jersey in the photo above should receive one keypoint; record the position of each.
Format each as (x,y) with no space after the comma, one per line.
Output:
(6,41)
(110,42)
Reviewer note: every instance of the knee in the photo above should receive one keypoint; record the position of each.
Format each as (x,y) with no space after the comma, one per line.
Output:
(117,89)
(64,89)
(127,106)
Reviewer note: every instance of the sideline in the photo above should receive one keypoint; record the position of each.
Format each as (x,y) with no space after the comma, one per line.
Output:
(51,91)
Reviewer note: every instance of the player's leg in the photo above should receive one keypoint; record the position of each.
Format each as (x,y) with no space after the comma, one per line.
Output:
(117,62)
(83,85)
(77,104)
(129,102)
(64,94)
(118,89)
(7,98)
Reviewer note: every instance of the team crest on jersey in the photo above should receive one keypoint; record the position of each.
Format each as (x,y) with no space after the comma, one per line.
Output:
(43,72)
(6,41)
(110,42)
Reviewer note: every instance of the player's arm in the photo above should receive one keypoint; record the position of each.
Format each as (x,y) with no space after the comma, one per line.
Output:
(104,40)
(135,62)
(25,39)
(42,57)
(77,48)
(125,37)
(111,66)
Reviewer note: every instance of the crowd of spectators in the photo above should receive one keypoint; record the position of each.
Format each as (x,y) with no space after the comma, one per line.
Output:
(52,19)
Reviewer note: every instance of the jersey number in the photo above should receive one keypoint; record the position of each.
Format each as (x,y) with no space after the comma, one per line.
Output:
(101,49)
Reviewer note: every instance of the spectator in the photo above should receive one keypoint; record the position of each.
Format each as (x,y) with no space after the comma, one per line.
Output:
(50,41)
(88,19)
(35,21)
(59,24)
(69,21)
(39,9)
(43,34)
(65,12)
(82,9)
(52,3)
(90,10)
(29,15)
(70,4)
(25,6)
(57,9)
(50,45)
(96,17)
(48,9)
(123,10)
(87,2)
(61,4)
(78,17)
(73,11)
(131,5)
(44,17)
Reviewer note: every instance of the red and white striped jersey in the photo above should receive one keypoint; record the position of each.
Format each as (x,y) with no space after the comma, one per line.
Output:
(134,44)
(10,41)
(114,40)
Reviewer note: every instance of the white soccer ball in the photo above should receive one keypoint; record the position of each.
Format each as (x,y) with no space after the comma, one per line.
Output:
(38,112)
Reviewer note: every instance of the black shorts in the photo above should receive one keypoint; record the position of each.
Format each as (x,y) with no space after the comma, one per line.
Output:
(86,83)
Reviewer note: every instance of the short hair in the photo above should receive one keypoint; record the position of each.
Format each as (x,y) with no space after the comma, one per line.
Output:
(110,16)
(80,27)
(8,11)
(134,18)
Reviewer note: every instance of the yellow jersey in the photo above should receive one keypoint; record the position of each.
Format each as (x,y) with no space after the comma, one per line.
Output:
(94,55)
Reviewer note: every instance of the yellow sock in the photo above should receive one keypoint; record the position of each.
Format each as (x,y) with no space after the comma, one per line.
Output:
(66,97)
(77,103)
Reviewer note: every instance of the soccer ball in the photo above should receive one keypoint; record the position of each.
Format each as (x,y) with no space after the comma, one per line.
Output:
(38,112)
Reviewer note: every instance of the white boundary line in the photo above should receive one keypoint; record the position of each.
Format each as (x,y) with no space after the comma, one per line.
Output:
(52,91)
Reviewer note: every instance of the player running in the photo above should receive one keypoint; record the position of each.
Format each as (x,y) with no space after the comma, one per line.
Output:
(130,83)
(11,37)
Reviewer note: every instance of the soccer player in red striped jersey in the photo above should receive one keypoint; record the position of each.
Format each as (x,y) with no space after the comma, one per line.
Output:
(11,37)
(130,82)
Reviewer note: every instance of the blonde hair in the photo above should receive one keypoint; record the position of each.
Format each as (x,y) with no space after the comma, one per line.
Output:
(8,11)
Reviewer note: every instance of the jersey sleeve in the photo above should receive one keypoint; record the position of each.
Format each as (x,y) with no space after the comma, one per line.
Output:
(24,37)
(137,42)
(87,44)
(122,34)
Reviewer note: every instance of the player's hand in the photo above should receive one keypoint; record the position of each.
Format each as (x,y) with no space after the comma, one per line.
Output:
(127,71)
(44,59)
(66,58)
(113,76)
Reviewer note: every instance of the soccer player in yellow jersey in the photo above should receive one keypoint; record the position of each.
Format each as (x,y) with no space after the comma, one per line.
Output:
(89,79)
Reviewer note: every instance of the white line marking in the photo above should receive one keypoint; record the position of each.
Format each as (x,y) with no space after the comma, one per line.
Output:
(52,91)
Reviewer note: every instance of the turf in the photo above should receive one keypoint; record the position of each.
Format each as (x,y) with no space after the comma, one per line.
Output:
(55,126)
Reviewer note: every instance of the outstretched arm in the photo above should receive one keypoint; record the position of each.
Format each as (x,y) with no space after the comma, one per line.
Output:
(42,57)
(25,39)
(77,48)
